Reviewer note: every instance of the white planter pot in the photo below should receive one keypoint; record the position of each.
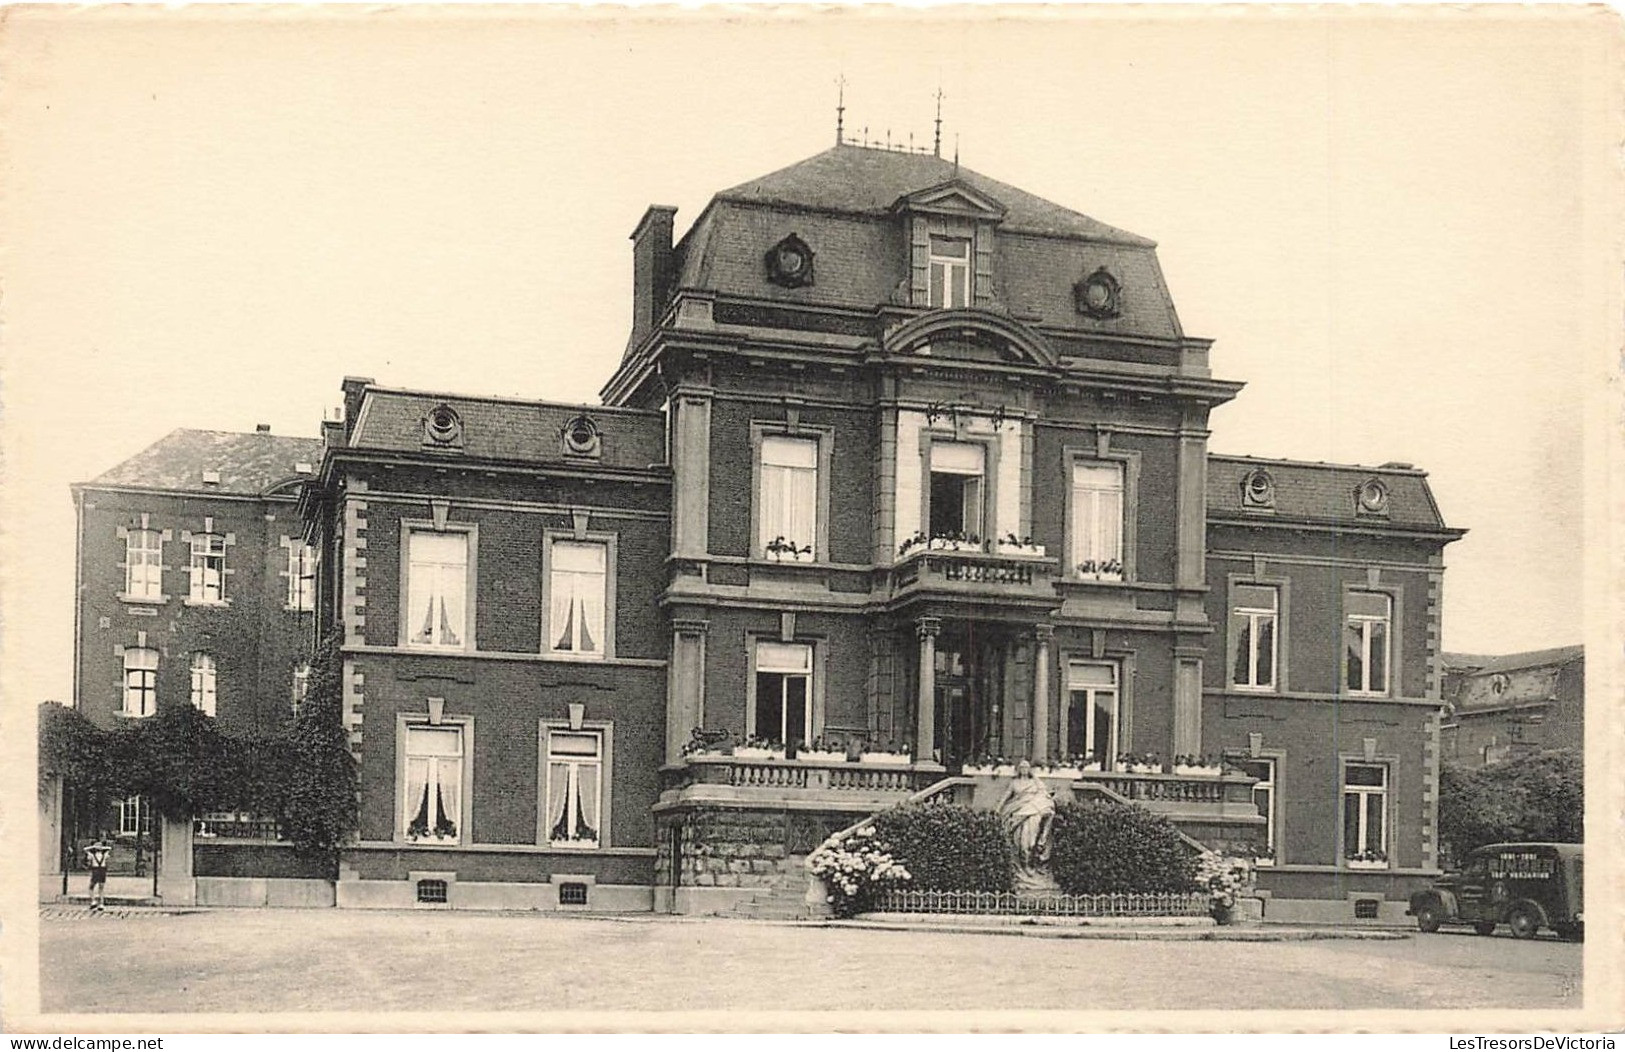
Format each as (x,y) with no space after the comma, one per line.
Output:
(1065,772)
(885,758)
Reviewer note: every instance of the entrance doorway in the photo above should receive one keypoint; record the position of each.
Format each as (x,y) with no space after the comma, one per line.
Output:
(969,693)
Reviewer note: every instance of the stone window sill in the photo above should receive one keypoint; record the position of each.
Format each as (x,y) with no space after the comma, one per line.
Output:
(142,600)
(208,602)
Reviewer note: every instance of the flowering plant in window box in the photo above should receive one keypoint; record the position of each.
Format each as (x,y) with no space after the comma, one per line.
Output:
(780,550)
(443,829)
(1368,860)
(758,748)
(956,542)
(1263,855)
(1009,544)
(891,752)
(702,742)
(918,540)
(887,757)
(821,751)
(1136,763)
(1101,570)
(1198,766)
(1064,769)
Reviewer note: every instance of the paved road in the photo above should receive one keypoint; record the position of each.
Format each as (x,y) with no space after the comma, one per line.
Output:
(340,960)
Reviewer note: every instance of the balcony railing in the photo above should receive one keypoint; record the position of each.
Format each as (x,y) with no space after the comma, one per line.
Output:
(1228,794)
(838,777)
(978,574)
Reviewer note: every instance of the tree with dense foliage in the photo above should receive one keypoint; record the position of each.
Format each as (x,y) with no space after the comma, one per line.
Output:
(1540,797)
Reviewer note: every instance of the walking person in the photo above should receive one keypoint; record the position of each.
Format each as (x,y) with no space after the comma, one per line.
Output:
(96,857)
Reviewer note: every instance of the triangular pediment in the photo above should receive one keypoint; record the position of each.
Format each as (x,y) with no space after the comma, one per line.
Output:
(954,197)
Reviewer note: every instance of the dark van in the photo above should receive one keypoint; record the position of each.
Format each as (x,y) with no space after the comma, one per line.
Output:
(1527,887)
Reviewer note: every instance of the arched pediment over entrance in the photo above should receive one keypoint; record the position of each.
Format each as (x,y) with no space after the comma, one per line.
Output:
(969,334)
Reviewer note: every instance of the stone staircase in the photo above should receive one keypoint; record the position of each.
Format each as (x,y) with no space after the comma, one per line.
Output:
(784,899)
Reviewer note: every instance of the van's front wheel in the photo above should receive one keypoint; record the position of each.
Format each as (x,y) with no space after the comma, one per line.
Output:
(1427,919)
(1524,922)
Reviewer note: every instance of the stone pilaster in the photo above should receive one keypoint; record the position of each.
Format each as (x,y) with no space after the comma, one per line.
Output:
(1187,701)
(685,684)
(691,476)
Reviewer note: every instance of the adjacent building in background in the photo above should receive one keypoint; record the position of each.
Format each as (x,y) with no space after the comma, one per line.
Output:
(195,586)
(1503,707)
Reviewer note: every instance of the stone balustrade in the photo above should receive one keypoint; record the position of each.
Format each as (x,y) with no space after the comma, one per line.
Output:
(831,776)
(973,572)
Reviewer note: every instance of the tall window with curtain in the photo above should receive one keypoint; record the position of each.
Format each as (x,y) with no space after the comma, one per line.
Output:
(437,588)
(1097,520)
(578,579)
(1254,621)
(575,787)
(1365,813)
(208,568)
(787,513)
(1366,640)
(432,796)
(143,564)
(203,683)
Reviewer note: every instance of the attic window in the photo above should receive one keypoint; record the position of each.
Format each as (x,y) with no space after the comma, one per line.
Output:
(1371,497)
(211,478)
(1258,490)
(950,271)
(443,427)
(790,263)
(580,438)
(1100,295)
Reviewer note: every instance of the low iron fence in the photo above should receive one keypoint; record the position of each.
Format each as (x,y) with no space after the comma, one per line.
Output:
(1156,904)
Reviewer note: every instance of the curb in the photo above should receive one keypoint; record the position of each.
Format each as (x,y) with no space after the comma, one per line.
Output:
(1164,934)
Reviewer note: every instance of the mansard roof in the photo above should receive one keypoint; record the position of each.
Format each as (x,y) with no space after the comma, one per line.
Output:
(248,463)
(1321,493)
(509,430)
(845,204)
(868,180)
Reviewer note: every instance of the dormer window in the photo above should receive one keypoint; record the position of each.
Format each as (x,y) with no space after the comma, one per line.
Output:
(950,271)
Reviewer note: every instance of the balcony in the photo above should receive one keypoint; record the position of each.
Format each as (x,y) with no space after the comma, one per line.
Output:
(833,784)
(1023,577)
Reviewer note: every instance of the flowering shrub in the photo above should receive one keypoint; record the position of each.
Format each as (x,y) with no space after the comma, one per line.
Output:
(1223,877)
(854,869)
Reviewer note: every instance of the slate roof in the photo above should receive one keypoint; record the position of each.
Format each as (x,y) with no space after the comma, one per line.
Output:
(1489,663)
(867,180)
(841,203)
(248,462)
(1322,493)
(506,429)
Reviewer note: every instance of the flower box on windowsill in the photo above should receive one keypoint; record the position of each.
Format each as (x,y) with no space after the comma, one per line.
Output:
(949,544)
(1100,575)
(1198,770)
(1071,773)
(1366,863)
(821,757)
(895,758)
(787,556)
(754,752)
(1006,548)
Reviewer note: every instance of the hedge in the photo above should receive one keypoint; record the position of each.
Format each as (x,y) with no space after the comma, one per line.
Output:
(1103,848)
(948,847)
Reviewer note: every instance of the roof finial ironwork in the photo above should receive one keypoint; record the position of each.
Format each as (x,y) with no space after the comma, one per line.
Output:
(840,109)
(936,147)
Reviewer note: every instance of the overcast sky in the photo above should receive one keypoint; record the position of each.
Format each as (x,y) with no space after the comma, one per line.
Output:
(211,218)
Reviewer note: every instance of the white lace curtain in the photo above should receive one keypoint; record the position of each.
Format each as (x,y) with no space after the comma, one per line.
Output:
(575,607)
(1097,513)
(437,588)
(789,497)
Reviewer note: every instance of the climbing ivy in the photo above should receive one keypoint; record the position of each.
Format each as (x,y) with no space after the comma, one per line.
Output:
(180,760)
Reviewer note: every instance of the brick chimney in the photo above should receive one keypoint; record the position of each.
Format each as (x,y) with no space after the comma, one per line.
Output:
(355,388)
(652,270)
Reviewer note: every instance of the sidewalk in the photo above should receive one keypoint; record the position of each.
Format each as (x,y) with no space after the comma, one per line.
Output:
(1173,929)
(122,889)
